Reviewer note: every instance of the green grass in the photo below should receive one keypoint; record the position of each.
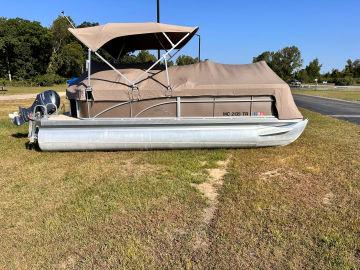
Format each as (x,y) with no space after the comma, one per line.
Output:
(15,90)
(350,95)
(287,207)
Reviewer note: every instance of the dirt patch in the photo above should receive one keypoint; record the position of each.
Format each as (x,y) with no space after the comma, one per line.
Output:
(210,190)
(203,163)
(69,262)
(134,167)
(270,174)
(328,198)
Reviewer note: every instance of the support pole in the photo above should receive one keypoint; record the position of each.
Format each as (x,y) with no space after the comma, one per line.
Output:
(89,68)
(158,18)
(163,56)
(158,11)
(199,49)
(88,89)
(167,74)
(178,107)
(118,72)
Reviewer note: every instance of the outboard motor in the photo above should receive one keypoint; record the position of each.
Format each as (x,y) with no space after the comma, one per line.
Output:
(46,102)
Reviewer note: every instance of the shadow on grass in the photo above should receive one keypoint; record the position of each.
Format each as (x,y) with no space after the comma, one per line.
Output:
(32,146)
(28,145)
(19,135)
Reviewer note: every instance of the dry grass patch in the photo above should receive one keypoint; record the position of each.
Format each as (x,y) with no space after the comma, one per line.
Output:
(288,207)
(100,210)
(292,207)
(210,189)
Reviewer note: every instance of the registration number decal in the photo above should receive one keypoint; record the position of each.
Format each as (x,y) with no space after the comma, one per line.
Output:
(235,113)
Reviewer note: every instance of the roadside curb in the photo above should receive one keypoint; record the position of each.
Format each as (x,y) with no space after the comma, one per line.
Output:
(334,99)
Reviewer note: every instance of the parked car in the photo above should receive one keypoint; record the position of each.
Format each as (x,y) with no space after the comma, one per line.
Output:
(295,83)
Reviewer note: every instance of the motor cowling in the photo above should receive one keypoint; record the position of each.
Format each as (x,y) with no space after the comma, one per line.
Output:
(46,102)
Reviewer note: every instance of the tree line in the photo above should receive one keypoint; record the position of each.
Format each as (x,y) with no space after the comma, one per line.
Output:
(288,63)
(30,52)
(33,54)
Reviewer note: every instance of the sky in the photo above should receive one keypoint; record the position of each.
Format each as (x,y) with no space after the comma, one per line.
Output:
(232,31)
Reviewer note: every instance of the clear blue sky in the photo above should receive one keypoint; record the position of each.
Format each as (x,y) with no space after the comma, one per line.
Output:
(233,31)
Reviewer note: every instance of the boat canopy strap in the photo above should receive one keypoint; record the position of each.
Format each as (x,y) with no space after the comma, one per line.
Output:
(120,38)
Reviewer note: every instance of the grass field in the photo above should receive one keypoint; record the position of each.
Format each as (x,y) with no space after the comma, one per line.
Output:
(349,95)
(291,207)
(15,90)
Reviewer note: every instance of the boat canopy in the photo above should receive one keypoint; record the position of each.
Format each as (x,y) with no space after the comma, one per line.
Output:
(201,79)
(121,38)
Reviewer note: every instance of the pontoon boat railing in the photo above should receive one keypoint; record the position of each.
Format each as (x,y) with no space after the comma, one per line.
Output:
(179,101)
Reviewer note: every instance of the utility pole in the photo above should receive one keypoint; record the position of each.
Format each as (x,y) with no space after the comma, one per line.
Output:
(158,18)
(199,48)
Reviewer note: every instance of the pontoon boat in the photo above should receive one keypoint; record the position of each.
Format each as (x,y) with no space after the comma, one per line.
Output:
(204,105)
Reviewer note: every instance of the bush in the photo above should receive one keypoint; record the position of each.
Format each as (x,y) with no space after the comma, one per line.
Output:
(48,80)
(344,81)
(40,80)
(6,82)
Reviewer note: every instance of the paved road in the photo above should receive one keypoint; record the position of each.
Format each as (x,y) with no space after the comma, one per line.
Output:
(349,111)
(23,96)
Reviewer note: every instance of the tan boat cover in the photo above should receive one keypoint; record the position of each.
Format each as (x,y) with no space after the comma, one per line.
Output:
(202,79)
(127,37)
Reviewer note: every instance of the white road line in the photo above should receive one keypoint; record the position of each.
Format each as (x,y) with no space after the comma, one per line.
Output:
(345,115)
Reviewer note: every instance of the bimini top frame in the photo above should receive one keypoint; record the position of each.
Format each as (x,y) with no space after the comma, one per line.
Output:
(120,38)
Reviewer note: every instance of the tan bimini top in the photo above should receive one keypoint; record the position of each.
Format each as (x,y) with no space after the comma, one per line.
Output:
(201,79)
(120,38)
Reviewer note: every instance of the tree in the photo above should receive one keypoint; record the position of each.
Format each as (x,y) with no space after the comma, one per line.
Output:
(183,60)
(349,67)
(71,60)
(313,69)
(87,24)
(145,57)
(60,32)
(25,48)
(352,68)
(339,77)
(265,56)
(4,60)
(302,76)
(356,66)
(285,62)
(142,57)
(60,37)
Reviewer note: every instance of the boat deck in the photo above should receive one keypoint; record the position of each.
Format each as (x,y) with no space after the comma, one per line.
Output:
(61,117)
(64,120)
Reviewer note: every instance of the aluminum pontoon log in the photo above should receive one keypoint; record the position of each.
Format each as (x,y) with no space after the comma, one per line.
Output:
(68,134)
